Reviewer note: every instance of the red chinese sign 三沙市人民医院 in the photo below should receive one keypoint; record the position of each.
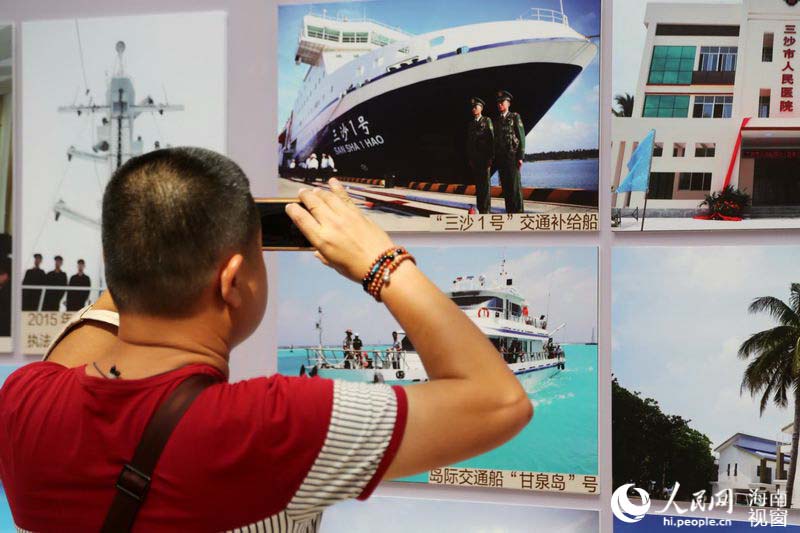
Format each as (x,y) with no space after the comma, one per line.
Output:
(787,72)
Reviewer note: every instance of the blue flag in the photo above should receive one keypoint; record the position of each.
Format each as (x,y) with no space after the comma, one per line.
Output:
(638,178)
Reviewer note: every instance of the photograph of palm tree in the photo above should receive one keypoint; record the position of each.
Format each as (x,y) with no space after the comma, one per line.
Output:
(706,363)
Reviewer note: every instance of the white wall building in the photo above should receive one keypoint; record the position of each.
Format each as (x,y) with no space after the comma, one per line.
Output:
(747,463)
(705,69)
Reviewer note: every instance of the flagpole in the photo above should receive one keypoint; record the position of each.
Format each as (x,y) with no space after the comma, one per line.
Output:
(649,171)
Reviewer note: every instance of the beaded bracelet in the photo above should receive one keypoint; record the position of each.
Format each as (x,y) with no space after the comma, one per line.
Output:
(383,280)
(380,271)
(386,257)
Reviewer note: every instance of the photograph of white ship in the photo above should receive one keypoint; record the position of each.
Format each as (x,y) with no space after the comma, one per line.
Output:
(380,96)
(6,190)
(715,80)
(706,392)
(98,92)
(401,515)
(539,309)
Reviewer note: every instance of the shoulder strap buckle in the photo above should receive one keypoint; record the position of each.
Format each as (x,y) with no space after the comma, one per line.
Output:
(133,482)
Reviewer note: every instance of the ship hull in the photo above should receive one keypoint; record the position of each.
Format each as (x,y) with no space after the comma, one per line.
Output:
(418,132)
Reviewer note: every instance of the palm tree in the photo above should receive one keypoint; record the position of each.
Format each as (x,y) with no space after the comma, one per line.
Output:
(774,368)
(625,104)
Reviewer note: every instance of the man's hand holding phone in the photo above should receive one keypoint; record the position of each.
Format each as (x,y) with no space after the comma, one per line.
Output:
(344,238)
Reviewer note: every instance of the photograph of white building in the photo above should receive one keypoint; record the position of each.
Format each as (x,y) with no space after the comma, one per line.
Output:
(715,80)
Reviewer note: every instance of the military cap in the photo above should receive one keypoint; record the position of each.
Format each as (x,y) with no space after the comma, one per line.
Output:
(504,95)
(476,101)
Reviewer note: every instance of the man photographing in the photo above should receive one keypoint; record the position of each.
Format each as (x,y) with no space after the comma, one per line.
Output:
(187,283)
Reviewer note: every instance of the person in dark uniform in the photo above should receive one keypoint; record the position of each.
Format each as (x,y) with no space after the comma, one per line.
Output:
(509,151)
(480,150)
(55,278)
(77,299)
(33,276)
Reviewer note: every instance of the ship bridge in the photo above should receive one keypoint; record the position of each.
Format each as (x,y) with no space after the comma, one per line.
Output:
(323,33)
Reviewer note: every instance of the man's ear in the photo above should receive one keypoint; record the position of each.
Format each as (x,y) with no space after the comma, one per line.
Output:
(229,281)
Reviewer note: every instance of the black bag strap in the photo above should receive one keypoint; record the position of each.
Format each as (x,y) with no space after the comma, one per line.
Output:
(134,479)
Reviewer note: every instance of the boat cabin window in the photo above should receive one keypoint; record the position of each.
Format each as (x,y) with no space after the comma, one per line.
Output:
(492,303)
(516,310)
(354,37)
(379,39)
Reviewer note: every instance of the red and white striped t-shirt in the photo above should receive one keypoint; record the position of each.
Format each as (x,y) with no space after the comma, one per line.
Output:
(266,454)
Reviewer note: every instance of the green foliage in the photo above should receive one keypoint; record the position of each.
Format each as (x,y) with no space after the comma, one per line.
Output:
(654,450)
(729,202)
(623,105)
(773,370)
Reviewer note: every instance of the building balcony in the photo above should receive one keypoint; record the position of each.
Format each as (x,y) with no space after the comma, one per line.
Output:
(713,77)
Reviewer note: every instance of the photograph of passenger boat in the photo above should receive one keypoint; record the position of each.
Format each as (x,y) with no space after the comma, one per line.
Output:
(98,92)
(539,309)
(474,109)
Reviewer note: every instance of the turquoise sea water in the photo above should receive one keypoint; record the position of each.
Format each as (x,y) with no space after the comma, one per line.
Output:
(562,437)
(561,173)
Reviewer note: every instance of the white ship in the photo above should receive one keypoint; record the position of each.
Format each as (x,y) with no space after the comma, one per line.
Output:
(498,310)
(388,104)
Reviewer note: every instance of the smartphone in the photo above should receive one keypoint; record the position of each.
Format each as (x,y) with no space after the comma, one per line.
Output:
(278,232)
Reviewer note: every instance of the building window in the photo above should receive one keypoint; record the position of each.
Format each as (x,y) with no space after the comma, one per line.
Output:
(735,469)
(717,58)
(729,469)
(766,48)
(713,106)
(758,471)
(695,181)
(763,103)
(678,150)
(705,149)
(671,106)
(672,65)
(658,150)
(661,184)
(315,31)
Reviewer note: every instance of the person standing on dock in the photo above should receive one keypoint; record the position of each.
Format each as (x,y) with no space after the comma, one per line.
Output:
(57,278)
(480,149)
(33,276)
(77,299)
(509,151)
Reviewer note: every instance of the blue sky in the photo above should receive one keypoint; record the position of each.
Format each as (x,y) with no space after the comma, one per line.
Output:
(571,123)
(679,316)
(399,515)
(568,274)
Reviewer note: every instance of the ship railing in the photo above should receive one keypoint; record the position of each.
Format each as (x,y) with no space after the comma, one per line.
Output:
(356,359)
(533,357)
(342,18)
(548,15)
(34,296)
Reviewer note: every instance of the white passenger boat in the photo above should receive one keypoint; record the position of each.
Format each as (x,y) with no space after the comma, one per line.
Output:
(498,310)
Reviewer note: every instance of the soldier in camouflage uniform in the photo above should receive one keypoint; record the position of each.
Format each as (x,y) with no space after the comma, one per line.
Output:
(480,149)
(509,151)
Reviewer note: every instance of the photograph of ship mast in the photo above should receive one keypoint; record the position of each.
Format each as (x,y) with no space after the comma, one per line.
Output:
(99,91)
(475,108)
